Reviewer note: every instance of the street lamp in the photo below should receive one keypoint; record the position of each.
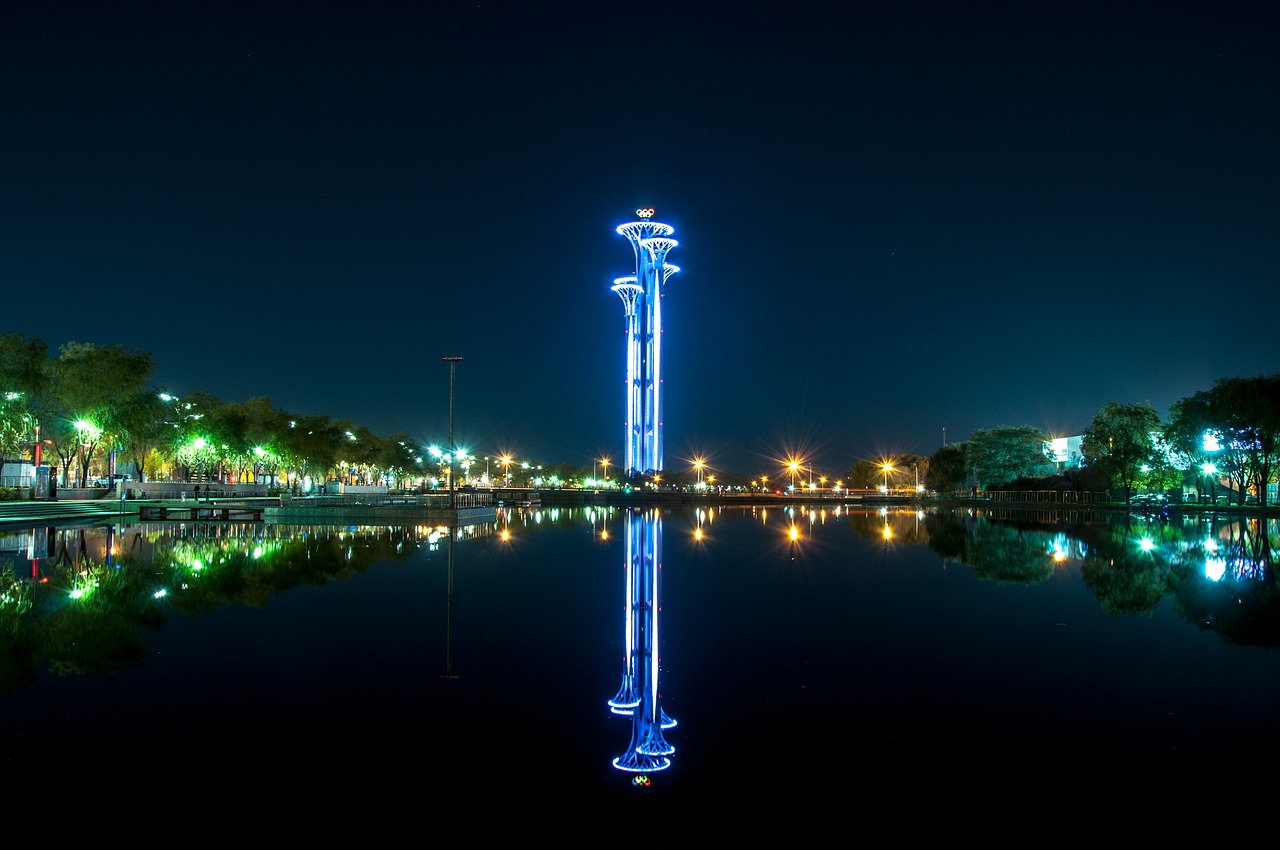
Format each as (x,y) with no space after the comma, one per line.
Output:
(697,465)
(794,467)
(1211,469)
(453,450)
(887,468)
(604,462)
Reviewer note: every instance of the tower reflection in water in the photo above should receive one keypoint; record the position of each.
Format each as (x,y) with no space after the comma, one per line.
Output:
(639,697)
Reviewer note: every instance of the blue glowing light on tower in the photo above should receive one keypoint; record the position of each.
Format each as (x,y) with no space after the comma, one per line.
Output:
(639,696)
(641,296)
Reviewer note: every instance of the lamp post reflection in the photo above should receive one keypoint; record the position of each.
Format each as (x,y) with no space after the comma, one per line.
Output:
(448,630)
(638,696)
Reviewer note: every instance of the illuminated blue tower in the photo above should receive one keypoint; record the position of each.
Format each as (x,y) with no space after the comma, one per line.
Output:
(639,696)
(641,296)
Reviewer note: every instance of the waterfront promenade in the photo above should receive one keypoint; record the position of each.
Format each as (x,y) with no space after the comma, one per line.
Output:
(471,506)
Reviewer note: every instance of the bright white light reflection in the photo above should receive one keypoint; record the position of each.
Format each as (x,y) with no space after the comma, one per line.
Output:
(1215,568)
(1146,544)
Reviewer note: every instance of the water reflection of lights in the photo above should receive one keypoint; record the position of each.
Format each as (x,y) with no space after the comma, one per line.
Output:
(701,518)
(639,696)
(1247,568)
(1060,548)
(601,516)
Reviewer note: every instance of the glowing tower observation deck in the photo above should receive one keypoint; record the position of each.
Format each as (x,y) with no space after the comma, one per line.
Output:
(641,296)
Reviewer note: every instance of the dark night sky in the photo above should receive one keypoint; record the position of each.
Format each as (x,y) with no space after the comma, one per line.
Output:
(894,218)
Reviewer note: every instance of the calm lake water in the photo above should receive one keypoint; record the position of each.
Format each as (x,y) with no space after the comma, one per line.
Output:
(749,654)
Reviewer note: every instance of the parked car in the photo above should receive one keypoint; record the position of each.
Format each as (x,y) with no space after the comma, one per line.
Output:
(112,482)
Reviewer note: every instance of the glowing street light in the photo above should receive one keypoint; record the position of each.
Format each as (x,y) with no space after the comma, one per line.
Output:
(1210,471)
(86,432)
(453,449)
(698,463)
(604,462)
(888,467)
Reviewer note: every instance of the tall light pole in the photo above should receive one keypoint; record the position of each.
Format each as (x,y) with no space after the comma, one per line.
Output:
(887,467)
(453,450)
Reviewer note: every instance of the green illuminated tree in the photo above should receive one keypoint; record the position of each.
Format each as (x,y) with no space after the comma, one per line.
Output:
(145,419)
(948,470)
(1007,454)
(1189,419)
(1243,417)
(865,475)
(89,381)
(1122,440)
(24,380)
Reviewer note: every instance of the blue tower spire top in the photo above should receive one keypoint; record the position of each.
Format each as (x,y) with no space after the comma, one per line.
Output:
(641,295)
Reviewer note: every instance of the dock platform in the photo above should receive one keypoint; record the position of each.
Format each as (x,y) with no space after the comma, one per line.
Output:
(203,512)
